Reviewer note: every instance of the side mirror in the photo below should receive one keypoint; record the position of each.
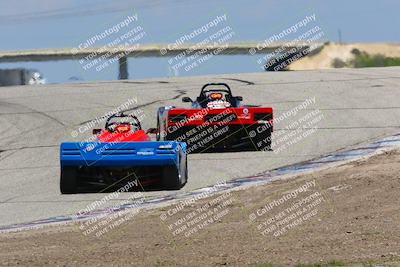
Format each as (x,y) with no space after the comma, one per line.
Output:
(152,131)
(239,98)
(96,131)
(187,99)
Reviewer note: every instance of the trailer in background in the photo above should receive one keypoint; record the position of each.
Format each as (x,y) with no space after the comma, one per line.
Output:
(20,76)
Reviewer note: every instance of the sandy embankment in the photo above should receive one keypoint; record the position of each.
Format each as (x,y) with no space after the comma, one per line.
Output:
(324,59)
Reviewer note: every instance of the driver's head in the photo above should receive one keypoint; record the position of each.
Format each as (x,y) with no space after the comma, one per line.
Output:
(122,128)
(215,96)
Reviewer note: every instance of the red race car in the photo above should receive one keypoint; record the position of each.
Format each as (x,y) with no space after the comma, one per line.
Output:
(216,121)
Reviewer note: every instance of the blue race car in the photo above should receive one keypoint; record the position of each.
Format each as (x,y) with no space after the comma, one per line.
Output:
(123,152)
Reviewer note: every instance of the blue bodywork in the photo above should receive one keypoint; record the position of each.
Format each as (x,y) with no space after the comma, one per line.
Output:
(124,154)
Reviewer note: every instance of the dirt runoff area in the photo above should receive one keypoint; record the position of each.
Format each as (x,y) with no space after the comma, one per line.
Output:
(347,215)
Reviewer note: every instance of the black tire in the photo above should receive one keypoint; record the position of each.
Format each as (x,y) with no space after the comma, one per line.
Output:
(185,171)
(266,142)
(171,179)
(68,183)
(268,146)
(158,135)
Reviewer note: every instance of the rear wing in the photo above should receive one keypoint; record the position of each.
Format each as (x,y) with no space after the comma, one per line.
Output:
(124,154)
(243,115)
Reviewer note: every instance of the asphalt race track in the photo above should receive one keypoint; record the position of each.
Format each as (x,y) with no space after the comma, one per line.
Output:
(357,105)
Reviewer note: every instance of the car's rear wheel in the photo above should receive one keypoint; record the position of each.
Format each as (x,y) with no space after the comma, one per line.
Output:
(268,146)
(158,135)
(68,181)
(185,171)
(171,179)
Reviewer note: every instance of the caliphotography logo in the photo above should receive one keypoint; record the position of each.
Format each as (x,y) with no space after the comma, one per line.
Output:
(199,133)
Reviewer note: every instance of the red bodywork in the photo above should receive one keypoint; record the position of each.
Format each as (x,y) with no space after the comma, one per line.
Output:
(244,115)
(122,133)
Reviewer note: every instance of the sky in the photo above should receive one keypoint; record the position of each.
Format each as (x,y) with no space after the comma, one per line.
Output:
(36,24)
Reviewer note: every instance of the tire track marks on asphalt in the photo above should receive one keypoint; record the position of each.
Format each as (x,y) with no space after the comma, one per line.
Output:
(179,91)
